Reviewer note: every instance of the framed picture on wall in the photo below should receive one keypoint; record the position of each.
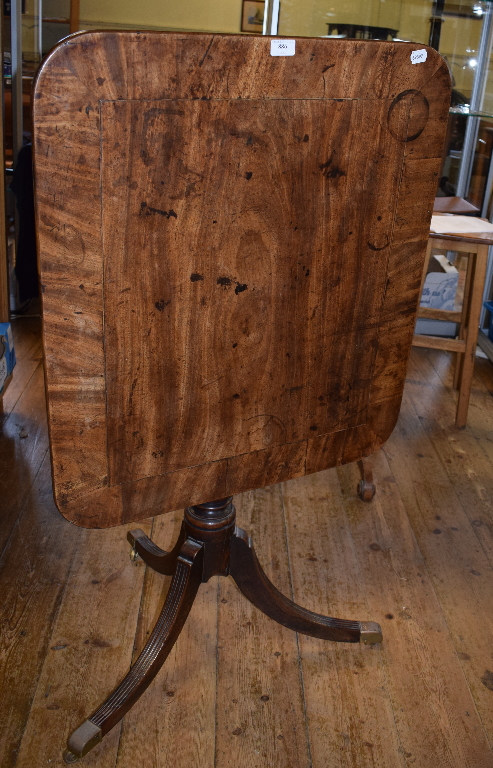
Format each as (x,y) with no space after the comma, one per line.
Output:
(252,16)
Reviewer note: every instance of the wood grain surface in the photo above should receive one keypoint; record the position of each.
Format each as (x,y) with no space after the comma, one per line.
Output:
(231,248)
(418,558)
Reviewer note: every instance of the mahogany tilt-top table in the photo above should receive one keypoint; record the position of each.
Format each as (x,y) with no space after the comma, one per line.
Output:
(231,244)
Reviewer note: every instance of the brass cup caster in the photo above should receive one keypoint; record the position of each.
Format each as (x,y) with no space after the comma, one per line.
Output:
(371,632)
(82,740)
(366,491)
(132,537)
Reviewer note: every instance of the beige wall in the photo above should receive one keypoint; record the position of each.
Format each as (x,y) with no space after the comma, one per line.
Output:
(213,15)
(414,20)
(309,17)
(196,15)
(459,43)
(298,17)
(459,40)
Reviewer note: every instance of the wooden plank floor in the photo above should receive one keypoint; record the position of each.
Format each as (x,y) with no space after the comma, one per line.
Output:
(239,689)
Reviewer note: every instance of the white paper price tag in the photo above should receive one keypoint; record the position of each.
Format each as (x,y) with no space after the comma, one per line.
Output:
(417,57)
(282,47)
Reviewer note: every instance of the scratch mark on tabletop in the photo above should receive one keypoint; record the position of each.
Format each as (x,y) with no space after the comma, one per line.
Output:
(207,51)
(146,210)
(208,383)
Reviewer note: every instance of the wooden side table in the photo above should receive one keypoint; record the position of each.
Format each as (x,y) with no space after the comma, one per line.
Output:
(476,248)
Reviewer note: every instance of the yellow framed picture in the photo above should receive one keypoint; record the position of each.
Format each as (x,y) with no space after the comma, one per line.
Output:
(252,16)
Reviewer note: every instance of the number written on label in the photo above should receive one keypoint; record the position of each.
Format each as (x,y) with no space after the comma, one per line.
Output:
(417,57)
(282,47)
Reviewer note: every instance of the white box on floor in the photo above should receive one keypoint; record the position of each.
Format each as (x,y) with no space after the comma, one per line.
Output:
(439,290)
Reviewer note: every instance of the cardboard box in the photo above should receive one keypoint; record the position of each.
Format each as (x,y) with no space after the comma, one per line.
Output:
(440,288)
(440,291)
(7,355)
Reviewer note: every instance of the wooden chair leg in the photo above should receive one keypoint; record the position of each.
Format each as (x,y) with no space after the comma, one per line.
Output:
(472,329)
(366,488)
(179,600)
(252,581)
(459,357)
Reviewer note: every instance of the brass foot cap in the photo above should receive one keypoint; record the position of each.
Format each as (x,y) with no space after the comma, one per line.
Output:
(371,632)
(69,757)
(84,739)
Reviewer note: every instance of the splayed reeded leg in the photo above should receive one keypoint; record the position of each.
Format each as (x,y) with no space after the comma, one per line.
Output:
(209,544)
(159,560)
(252,581)
(179,600)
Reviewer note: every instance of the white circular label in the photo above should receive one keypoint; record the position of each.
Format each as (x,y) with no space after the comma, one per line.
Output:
(417,57)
